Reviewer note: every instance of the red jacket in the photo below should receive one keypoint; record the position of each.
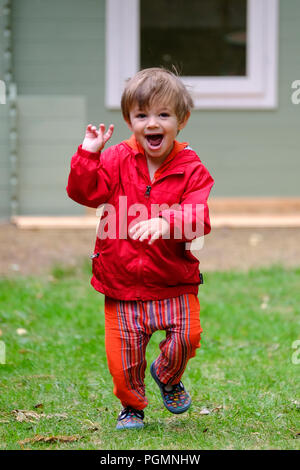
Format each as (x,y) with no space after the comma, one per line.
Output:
(128,269)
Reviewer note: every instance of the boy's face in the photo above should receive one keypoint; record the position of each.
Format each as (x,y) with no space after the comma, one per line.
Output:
(155,128)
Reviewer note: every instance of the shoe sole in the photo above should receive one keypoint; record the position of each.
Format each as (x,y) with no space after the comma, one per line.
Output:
(169,408)
(133,426)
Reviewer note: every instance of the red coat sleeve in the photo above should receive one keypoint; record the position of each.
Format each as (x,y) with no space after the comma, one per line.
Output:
(191,219)
(91,177)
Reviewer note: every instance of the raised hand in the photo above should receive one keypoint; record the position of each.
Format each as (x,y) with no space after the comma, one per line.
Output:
(156,227)
(94,140)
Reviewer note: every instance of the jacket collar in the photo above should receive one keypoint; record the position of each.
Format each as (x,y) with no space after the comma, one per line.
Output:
(138,149)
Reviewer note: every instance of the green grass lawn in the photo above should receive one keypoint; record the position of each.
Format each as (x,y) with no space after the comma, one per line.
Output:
(243,373)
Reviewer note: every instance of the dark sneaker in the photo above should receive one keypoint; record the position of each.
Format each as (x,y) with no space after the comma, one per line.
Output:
(177,400)
(130,418)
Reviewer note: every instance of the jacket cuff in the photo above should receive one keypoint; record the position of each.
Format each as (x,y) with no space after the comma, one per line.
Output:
(87,154)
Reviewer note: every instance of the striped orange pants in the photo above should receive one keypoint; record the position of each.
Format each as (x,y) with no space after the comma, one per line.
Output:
(128,329)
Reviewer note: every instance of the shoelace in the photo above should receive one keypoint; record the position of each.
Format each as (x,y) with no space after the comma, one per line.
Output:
(131,412)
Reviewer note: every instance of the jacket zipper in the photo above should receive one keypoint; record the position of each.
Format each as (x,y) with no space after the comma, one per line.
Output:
(147,195)
(148,189)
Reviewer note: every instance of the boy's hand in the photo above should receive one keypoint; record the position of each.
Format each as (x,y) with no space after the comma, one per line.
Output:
(156,227)
(94,140)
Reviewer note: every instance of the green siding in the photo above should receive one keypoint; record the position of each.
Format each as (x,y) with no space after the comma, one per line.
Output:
(4,145)
(4,164)
(59,50)
(48,129)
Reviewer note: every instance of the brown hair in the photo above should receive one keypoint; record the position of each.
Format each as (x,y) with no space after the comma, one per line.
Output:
(156,84)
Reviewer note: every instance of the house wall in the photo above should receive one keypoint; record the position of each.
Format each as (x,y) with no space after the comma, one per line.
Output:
(59,51)
(4,123)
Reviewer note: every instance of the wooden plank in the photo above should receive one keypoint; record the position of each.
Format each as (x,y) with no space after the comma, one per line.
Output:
(55,222)
(256,221)
(46,107)
(243,205)
(4,203)
(238,221)
(49,127)
(56,10)
(48,201)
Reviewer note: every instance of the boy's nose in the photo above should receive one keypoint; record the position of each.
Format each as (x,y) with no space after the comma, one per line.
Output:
(152,122)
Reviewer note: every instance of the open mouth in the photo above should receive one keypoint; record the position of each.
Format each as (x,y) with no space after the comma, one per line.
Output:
(154,140)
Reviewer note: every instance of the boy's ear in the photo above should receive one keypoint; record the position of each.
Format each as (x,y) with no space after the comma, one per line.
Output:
(184,122)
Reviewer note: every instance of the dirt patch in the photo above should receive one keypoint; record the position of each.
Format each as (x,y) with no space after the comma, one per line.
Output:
(34,252)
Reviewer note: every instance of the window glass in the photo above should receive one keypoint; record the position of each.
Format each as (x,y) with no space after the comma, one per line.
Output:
(198,37)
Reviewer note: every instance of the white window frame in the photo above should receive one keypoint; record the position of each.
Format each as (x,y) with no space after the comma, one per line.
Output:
(257,90)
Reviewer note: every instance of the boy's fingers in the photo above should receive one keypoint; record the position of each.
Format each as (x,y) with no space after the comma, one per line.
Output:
(154,237)
(94,130)
(143,230)
(145,234)
(138,233)
(137,226)
(108,134)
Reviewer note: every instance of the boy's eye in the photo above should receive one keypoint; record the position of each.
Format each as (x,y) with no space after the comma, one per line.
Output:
(141,115)
(164,114)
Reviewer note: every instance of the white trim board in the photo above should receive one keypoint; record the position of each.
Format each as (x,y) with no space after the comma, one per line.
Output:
(258,90)
(226,220)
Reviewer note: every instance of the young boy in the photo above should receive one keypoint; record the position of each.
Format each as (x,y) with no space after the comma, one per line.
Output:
(141,264)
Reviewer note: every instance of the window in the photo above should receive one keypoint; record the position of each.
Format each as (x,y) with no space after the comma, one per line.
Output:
(225,50)
(199,37)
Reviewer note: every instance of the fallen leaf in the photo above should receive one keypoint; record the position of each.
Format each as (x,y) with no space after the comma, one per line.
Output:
(54,415)
(217,408)
(1,333)
(93,426)
(39,438)
(21,331)
(27,416)
(205,430)
(39,405)
(32,416)
(204,411)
